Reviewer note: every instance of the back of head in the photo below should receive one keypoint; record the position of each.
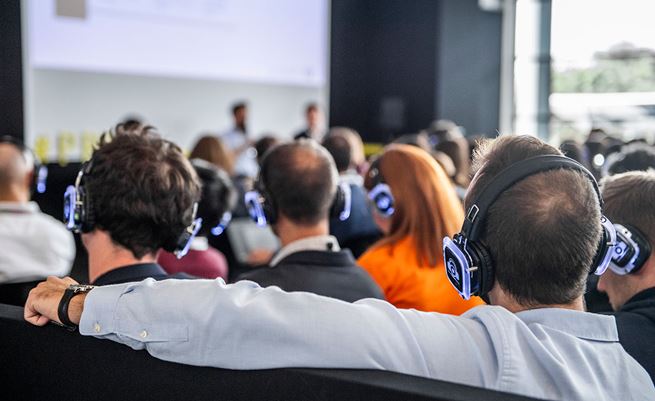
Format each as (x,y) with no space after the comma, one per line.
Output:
(634,157)
(141,189)
(426,205)
(629,199)
(575,151)
(420,140)
(340,149)
(357,156)
(218,194)
(458,151)
(542,232)
(263,145)
(301,179)
(211,149)
(14,170)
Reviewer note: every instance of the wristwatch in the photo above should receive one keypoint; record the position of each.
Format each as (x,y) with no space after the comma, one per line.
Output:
(62,310)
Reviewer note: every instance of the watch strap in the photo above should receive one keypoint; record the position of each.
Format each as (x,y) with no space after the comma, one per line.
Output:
(62,309)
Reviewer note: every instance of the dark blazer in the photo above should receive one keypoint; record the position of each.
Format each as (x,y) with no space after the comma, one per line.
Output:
(359,231)
(332,274)
(636,324)
(138,272)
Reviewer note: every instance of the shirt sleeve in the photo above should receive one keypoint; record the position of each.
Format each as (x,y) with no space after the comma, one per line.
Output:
(244,326)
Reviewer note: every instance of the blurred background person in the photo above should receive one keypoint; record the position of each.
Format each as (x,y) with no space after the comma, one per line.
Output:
(415,206)
(35,245)
(264,144)
(359,231)
(213,150)
(314,124)
(237,141)
(217,201)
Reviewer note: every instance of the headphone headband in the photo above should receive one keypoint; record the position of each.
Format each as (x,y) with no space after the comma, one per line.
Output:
(475,216)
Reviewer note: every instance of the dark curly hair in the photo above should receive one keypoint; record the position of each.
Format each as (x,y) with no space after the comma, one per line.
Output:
(142,189)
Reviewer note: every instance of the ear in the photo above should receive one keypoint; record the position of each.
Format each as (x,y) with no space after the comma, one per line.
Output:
(29,178)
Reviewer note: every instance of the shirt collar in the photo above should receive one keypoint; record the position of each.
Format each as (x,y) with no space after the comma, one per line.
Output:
(351,177)
(316,243)
(136,272)
(590,326)
(19,207)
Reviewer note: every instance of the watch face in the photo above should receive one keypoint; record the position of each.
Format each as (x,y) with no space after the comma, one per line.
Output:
(77,288)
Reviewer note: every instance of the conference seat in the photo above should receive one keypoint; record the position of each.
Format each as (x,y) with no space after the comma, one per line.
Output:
(53,363)
(16,293)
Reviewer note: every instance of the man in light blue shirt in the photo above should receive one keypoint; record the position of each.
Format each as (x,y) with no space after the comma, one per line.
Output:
(542,235)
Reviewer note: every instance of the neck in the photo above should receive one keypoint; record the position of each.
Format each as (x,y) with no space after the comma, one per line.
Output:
(289,231)
(511,305)
(105,255)
(14,194)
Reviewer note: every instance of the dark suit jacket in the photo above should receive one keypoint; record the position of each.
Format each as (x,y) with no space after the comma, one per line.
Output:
(636,324)
(138,272)
(332,274)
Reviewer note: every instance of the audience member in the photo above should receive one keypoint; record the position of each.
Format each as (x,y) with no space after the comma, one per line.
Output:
(575,151)
(415,206)
(212,150)
(237,141)
(263,145)
(630,280)
(420,140)
(218,199)
(314,124)
(638,156)
(359,231)
(135,195)
(358,163)
(296,193)
(541,230)
(34,245)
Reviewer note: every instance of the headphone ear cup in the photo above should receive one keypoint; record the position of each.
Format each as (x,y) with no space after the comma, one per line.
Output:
(338,203)
(481,258)
(341,205)
(605,249)
(268,207)
(382,199)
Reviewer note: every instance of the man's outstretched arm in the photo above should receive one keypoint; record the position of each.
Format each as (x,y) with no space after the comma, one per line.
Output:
(243,326)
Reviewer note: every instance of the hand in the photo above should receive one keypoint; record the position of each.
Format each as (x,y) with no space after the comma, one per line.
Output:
(43,301)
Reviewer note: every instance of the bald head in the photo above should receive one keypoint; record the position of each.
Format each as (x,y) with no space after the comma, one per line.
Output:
(301,177)
(15,174)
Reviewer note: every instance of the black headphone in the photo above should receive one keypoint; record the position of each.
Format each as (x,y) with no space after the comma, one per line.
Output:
(631,251)
(79,214)
(262,209)
(469,265)
(219,197)
(39,171)
(380,193)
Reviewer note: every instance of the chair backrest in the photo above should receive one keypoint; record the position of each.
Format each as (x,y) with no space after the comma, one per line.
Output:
(52,363)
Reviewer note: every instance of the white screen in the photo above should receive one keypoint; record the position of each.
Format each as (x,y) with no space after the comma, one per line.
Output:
(179,64)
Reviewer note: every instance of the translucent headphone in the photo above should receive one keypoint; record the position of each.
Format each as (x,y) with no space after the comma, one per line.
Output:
(39,171)
(469,265)
(380,193)
(631,251)
(79,214)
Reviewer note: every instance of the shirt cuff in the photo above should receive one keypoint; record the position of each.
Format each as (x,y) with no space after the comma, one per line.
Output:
(100,309)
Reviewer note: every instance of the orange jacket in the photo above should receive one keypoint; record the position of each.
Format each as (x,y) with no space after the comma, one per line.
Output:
(407,285)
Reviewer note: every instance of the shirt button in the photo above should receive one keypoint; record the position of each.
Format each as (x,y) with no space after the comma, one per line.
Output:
(96,327)
(143,334)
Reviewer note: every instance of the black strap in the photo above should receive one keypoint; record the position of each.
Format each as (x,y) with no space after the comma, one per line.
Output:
(62,310)
(476,214)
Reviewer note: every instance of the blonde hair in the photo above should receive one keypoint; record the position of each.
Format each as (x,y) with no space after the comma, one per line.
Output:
(426,205)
